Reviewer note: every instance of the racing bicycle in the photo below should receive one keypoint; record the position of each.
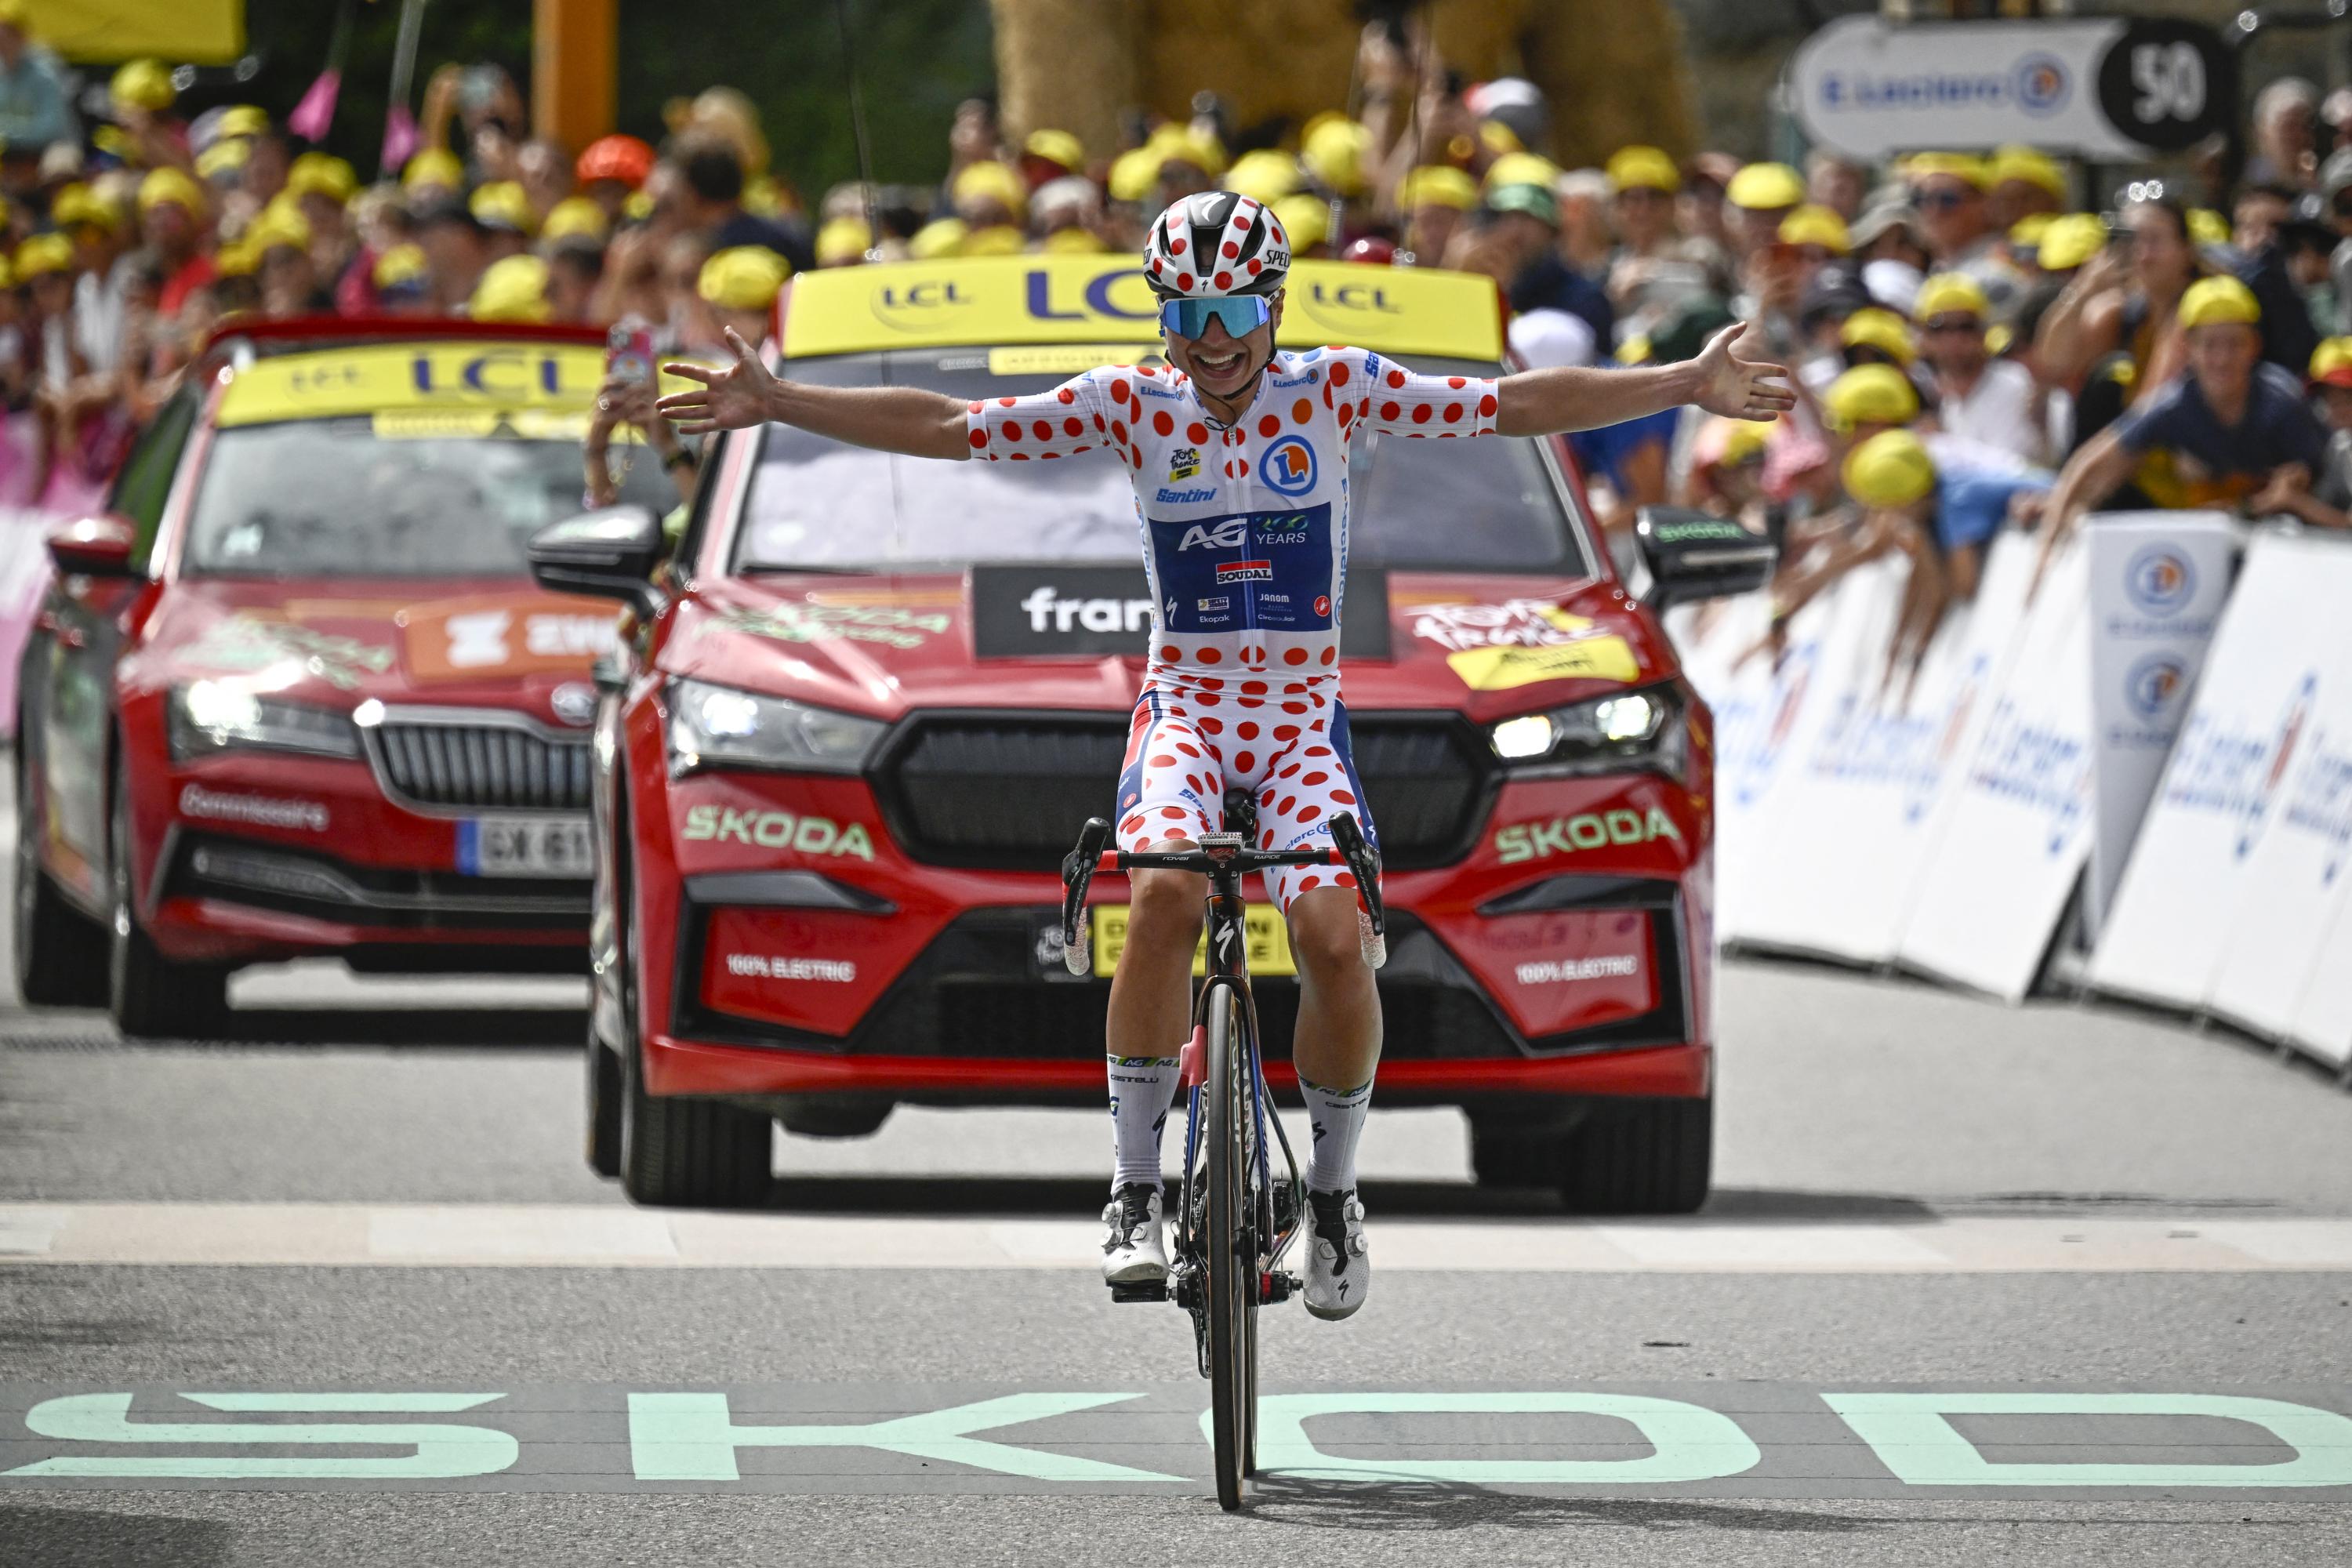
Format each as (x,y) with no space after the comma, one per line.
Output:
(1235,1220)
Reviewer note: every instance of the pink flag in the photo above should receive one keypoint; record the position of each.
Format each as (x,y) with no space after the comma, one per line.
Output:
(401,137)
(317,110)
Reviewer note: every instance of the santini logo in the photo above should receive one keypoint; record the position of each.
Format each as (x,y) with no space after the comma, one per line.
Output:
(1049,611)
(1167,497)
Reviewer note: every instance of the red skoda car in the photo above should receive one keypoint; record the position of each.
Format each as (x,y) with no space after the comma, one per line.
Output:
(294,691)
(870,699)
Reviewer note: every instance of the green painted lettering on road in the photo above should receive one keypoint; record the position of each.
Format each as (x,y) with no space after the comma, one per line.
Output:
(1692,1443)
(1913,1437)
(441,1453)
(693,1437)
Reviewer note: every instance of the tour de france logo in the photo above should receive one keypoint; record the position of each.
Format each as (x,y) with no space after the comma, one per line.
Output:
(2041,84)
(1289,467)
(2159,580)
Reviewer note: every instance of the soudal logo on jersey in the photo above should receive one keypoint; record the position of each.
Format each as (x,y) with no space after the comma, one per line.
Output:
(1246,572)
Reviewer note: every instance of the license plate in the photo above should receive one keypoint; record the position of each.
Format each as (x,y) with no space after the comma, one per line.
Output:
(1265,936)
(524,847)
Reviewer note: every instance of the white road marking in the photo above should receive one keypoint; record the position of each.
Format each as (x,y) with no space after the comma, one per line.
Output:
(610,1236)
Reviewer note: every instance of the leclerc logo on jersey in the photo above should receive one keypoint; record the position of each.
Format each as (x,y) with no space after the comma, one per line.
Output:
(1289,467)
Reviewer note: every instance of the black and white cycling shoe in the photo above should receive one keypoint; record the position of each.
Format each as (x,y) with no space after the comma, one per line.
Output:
(1339,1270)
(1133,1250)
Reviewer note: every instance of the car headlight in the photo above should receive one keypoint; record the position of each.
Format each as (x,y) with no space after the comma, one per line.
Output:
(208,717)
(719,725)
(1627,732)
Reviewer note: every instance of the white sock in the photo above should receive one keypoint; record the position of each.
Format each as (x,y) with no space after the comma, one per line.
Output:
(1337,1117)
(1142,1090)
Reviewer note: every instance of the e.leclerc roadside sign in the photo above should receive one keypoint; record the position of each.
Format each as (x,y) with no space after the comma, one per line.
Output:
(2104,87)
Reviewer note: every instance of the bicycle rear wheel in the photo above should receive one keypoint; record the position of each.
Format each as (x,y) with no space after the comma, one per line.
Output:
(1232,1251)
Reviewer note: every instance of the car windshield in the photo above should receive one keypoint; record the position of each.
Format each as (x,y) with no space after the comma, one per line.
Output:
(1487,505)
(333,497)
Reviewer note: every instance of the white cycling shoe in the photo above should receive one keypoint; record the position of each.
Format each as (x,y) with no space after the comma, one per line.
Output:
(1338,1269)
(1134,1252)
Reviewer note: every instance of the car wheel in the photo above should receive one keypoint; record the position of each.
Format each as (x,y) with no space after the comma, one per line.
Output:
(1511,1153)
(604,1105)
(1641,1156)
(674,1151)
(151,996)
(60,953)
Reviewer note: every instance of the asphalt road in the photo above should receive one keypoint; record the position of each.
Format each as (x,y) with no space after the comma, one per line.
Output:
(2050,1285)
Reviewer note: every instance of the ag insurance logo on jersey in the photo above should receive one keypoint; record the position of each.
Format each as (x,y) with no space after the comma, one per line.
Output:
(1268,570)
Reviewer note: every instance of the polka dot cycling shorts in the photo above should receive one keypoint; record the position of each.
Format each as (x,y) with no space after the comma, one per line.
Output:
(1195,736)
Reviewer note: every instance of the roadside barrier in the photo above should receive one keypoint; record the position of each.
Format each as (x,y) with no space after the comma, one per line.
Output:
(24,577)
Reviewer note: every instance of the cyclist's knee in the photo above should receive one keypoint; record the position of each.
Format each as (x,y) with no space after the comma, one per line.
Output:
(1324,940)
(1166,913)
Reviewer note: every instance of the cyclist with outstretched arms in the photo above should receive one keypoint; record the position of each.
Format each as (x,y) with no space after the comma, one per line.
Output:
(1239,457)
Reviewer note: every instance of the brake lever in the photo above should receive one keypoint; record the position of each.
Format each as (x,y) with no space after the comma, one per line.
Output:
(1077,875)
(1364,864)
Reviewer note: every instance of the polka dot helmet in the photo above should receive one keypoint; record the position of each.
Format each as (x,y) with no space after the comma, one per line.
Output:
(1216,243)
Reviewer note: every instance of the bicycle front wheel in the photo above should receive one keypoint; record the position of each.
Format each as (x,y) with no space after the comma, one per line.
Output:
(1231,1251)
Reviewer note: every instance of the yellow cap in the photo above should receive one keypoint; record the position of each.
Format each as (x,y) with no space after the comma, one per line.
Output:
(744,277)
(1957,166)
(224,158)
(1522,169)
(1073,241)
(2026,232)
(1643,168)
(1820,225)
(513,289)
(171,185)
(1133,173)
(940,236)
(321,174)
(1500,138)
(1743,442)
(44,253)
(1056,147)
(501,204)
(281,224)
(1634,350)
(433,166)
(2331,362)
(1266,174)
(638,207)
(242,119)
(77,204)
(2029,165)
(1438,185)
(2071,240)
(399,266)
(143,84)
(573,217)
(1891,469)
(240,257)
(1185,144)
(1765,187)
(1871,395)
(1872,327)
(1305,219)
(2218,301)
(996,239)
(7,273)
(2207,226)
(1951,294)
(991,182)
(1334,153)
(843,240)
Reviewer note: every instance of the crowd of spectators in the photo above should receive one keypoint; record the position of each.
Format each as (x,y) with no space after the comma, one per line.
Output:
(1980,339)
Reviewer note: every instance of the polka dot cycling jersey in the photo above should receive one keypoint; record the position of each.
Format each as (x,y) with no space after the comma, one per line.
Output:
(1245,530)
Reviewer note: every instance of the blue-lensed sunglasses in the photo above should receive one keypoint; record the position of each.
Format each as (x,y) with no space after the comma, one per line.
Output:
(1240,314)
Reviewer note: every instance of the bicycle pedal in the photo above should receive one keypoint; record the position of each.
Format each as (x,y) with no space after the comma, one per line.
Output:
(1140,1290)
(1277,1285)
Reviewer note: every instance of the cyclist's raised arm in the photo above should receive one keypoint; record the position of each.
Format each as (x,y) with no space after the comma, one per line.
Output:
(1575,397)
(894,418)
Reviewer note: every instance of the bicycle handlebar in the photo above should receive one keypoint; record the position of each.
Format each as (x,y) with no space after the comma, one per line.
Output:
(1204,860)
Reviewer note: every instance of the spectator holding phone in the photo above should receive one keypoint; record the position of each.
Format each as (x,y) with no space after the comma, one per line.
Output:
(2110,333)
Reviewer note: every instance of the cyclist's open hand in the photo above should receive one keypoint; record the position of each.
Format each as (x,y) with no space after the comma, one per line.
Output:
(735,398)
(1741,389)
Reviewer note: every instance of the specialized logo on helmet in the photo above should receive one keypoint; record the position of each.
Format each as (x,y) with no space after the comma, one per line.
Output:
(1289,467)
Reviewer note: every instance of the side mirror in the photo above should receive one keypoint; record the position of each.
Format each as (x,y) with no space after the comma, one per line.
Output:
(102,545)
(611,553)
(1694,555)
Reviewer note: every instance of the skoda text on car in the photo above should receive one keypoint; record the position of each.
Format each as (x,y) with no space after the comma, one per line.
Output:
(875,697)
(294,691)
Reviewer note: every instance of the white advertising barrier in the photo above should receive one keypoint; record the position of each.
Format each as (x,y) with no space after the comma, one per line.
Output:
(1881,780)
(2322,1023)
(24,579)
(2158,580)
(1748,697)
(2015,830)
(2270,729)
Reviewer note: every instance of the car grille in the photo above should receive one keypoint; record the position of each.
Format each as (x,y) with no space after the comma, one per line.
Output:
(479,766)
(1011,791)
